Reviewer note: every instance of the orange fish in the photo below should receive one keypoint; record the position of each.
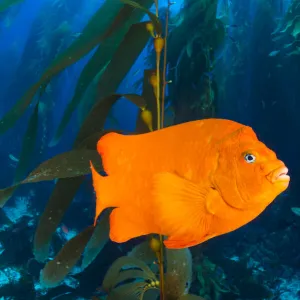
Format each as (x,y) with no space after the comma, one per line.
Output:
(189,182)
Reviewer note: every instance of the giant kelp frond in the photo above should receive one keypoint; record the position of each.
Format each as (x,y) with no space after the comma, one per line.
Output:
(95,120)
(109,18)
(28,145)
(113,274)
(98,240)
(129,291)
(58,268)
(178,277)
(143,252)
(190,297)
(100,60)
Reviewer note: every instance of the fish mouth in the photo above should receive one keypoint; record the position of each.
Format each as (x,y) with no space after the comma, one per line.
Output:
(279,175)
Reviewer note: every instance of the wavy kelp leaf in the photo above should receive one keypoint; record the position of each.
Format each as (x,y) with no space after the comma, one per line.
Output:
(66,165)
(179,272)
(28,145)
(58,268)
(99,61)
(96,118)
(154,19)
(130,291)
(61,198)
(98,240)
(113,272)
(149,96)
(191,297)
(143,252)
(5,4)
(69,164)
(105,21)
(87,100)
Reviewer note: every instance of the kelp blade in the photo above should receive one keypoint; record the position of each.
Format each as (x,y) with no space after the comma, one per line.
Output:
(190,297)
(57,269)
(99,62)
(179,272)
(98,240)
(28,145)
(101,26)
(96,118)
(53,214)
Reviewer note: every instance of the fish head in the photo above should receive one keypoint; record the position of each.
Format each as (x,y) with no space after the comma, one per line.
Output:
(248,174)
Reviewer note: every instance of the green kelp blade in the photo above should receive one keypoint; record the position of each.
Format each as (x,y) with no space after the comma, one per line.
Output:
(122,262)
(105,21)
(149,96)
(97,65)
(178,277)
(154,19)
(190,297)
(143,252)
(5,4)
(132,45)
(57,269)
(87,100)
(28,145)
(66,165)
(129,291)
(61,198)
(69,164)
(98,240)
(96,118)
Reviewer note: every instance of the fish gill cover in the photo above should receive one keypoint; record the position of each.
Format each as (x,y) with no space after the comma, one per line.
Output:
(73,71)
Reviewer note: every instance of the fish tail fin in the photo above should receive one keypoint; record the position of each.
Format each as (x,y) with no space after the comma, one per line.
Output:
(102,191)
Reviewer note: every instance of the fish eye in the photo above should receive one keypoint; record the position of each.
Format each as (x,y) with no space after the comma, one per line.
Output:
(249,158)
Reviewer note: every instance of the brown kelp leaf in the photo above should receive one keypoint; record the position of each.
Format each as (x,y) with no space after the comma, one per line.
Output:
(179,272)
(28,145)
(66,165)
(98,240)
(129,291)
(5,4)
(143,252)
(105,21)
(122,262)
(190,297)
(99,61)
(69,164)
(154,19)
(96,118)
(149,96)
(58,268)
(61,198)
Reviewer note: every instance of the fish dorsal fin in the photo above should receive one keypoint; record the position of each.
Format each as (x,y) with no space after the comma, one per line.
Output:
(182,209)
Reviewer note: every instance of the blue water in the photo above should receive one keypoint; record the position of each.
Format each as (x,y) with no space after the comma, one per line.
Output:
(243,64)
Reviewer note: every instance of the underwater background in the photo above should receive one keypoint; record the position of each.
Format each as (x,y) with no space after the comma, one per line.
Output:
(70,69)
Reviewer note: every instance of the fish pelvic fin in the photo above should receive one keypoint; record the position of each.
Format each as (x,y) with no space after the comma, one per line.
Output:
(102,191)
(181,210)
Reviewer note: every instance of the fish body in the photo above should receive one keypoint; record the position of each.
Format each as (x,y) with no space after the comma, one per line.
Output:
(189,182)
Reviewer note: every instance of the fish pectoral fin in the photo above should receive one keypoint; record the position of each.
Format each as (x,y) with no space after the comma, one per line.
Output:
(125,226)
(180,207)
(174,242)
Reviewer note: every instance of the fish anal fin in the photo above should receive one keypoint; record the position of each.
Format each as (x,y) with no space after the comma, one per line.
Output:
(125,226)
(180,207)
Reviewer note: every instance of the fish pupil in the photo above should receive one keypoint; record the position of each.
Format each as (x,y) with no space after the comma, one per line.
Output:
(250,158)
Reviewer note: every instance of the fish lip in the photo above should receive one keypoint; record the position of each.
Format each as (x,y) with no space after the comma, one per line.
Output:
(279,175)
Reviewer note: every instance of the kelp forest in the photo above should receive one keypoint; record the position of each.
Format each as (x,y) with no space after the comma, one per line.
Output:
(183,75)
